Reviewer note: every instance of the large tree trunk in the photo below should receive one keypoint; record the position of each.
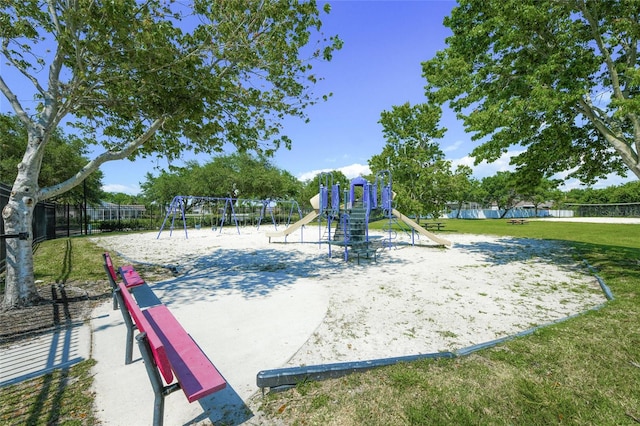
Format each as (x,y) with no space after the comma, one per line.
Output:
(20,289)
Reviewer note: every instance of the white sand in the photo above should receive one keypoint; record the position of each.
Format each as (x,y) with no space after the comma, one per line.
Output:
(252,305)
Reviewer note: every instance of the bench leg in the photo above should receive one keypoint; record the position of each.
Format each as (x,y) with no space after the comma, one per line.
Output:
(154,377)
(128,353)
(159,390)
(158,410)
(114,286)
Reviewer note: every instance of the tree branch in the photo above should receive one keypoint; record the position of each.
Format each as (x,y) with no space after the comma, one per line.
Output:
(615,84)
(594,27)
(628,155)
(15,103)
(23,71)
(594,113)
(93,165)
(52,95)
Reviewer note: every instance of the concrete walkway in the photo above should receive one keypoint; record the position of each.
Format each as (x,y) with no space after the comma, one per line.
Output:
(42,354)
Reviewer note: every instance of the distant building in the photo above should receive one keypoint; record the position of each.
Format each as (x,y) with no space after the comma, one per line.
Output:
(111,211)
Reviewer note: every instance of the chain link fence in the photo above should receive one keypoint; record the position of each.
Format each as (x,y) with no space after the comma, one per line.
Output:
(42,227)
(62,220)
(606,210)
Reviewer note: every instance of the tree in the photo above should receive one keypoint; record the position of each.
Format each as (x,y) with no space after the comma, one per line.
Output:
(311,187)
(64,155)
(462,187)
(586,196)
(501,189)
(166,185)
(421,175)
(149,78)
(255,177)
(542,191)
(559,77)
(626,193)
(238,175)
(121,198)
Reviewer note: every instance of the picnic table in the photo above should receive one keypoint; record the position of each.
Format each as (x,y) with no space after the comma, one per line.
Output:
(434,225)
(518,221)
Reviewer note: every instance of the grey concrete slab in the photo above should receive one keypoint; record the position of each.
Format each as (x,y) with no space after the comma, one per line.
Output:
(42,354)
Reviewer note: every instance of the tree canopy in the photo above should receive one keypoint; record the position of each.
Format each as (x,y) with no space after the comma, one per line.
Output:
(557,77)
(421,175)
(626,193)
(311,187)
(501,190)
(156,78)
(64,156)
(238,175)
(463,188)
(149,78)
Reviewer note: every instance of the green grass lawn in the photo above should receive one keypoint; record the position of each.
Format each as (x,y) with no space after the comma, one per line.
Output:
(582,371)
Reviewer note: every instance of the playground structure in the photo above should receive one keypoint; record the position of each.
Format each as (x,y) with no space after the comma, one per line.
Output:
(348,210)
(301,223)
(351,210)
(218,211)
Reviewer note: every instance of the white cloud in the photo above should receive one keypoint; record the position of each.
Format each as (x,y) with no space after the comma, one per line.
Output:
(355,170)
(464,161)
(453,147)
(351,171)
(610,180)
(485,169)
(126,189)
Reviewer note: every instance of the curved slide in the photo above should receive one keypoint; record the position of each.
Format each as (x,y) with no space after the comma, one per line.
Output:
(315,203)
(291,228)
(420,229)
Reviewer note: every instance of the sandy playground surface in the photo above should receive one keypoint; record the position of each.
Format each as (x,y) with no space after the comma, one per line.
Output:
(254,305)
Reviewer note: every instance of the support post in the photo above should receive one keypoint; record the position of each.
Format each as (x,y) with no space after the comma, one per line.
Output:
(128,322)
(159,390)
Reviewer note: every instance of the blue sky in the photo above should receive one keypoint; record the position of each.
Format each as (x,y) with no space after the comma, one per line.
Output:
(378,67)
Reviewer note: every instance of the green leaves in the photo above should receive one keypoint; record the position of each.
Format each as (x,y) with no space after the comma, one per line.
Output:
(217,73)
(558,78)
(238,175)
(64,155)
(420,173)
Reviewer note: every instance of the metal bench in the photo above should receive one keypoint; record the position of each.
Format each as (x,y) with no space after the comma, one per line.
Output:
(169,353)
(132,277)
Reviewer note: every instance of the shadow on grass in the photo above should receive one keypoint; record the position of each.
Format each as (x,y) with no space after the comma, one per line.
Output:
(620,265)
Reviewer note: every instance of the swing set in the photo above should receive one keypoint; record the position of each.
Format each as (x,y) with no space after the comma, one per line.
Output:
(217,212)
